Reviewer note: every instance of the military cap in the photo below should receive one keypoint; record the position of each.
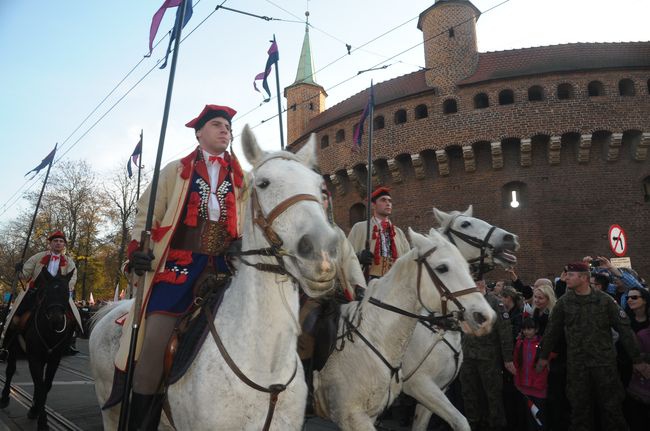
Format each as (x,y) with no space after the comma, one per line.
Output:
(578,267)
(379,192)
(57,234)
(210,112)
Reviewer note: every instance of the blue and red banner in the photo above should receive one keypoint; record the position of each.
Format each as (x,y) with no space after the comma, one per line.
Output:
(274,56)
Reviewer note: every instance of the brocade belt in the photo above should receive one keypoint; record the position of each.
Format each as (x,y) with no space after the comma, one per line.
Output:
(208,237)
(379,270)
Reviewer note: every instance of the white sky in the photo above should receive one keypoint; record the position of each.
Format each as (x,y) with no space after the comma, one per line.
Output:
(60,59)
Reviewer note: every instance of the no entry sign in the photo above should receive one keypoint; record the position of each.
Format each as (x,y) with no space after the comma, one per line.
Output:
(617,240)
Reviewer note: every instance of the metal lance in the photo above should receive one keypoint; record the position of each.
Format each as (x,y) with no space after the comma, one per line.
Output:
(14,283)
(366,269)
(145,238)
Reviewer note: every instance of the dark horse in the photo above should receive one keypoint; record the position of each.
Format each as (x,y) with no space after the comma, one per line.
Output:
(47,335)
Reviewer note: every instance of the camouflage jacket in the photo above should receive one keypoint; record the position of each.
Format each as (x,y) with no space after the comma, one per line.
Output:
(587,321)
(498,344)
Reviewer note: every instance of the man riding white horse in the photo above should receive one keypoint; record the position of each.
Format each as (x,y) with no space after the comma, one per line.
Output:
(55,261)
(197,215)
(387,241)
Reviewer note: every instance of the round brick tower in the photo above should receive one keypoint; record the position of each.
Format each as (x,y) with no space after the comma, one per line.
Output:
(450,49)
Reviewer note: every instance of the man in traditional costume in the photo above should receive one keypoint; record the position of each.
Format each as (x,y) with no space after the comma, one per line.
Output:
(56,262)
(387,241)
(198,213)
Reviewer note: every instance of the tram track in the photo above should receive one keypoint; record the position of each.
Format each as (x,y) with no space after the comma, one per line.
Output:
(55,420)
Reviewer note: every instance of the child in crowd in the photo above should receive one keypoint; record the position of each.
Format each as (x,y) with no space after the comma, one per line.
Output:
(528,381)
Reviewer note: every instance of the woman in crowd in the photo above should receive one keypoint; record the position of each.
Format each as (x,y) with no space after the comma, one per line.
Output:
(637,402)
(543,303)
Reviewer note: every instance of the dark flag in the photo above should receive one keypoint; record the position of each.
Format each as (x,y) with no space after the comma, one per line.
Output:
(274,56)
(358,132)
(46,161)
(135,158)
(157,18)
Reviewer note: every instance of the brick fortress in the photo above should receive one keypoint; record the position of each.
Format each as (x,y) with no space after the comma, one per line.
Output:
(564,127)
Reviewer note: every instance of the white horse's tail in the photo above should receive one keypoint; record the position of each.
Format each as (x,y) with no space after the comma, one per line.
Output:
(104,311)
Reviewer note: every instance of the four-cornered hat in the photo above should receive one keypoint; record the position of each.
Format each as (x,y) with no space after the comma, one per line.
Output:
(210,112)
(379,192)
(577,267)
(57,234)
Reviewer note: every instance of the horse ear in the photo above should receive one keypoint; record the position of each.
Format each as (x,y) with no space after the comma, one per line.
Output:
(419,241)
(252,151)
(307,153)
(441,216)
(468,212)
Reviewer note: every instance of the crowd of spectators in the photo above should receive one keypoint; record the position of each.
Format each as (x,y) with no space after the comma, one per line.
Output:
(556,333)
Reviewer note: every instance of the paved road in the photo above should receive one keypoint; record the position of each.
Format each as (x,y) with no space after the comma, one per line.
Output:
(73,397)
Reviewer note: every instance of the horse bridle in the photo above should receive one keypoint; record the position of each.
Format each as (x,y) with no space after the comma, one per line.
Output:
(47,317)
(265,223)
(482,244)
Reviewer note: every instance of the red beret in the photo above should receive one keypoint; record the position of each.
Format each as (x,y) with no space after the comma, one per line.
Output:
(578,267)
(379,192)
(57,234)
(210,112)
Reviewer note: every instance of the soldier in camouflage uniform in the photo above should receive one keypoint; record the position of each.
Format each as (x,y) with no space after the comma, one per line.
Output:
(481,376)
(587,315)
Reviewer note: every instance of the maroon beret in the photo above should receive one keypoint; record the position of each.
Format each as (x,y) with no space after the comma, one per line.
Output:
(210,112)
(379,192)
(578,267)
(57,234)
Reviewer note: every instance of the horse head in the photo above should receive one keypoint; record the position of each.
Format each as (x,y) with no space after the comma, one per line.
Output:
(52,298)
(482,244)
(285,208)
(446,285)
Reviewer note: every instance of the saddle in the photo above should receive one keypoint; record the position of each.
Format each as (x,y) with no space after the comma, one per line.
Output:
(191,330)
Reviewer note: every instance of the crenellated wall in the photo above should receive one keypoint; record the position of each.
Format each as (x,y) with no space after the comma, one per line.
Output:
(580,165)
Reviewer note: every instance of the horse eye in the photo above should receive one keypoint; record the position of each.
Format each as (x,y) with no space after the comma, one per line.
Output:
(465,224)
(263,184)
(442,268)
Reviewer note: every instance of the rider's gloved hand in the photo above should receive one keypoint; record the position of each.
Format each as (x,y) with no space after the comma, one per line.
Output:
(359,292)
(365,257)
(141,261)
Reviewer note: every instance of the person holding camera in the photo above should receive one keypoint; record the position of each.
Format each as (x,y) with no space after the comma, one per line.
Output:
(621,279)
(586,316)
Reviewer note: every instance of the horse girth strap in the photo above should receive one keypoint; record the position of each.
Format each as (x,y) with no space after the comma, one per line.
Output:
(394,371)
(266,223)
(273,390)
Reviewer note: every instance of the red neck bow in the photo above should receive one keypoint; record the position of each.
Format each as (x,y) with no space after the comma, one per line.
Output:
(220,160)
(53,257)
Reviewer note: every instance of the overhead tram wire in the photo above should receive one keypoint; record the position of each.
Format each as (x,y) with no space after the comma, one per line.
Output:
(384,61)
(17,196)
(338,59)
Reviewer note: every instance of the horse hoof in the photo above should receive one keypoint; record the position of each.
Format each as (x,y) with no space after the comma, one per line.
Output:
(4,402)
(32,413)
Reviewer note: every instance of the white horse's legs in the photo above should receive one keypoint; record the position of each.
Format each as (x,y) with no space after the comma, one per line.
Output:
(421,418)
(433,400)
(357,421)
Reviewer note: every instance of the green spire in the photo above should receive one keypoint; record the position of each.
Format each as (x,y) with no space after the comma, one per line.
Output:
(305,74)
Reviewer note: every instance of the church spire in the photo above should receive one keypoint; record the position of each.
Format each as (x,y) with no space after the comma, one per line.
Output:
(305,74)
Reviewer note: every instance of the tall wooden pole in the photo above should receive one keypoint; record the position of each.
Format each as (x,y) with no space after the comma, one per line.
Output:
(277,86)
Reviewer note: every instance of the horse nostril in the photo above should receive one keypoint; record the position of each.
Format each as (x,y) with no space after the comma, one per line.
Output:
(305,246)
(479,318)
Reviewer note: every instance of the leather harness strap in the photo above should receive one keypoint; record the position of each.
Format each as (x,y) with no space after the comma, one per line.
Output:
(273,390)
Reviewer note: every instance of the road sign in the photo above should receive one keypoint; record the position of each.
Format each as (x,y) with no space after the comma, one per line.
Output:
(617,240)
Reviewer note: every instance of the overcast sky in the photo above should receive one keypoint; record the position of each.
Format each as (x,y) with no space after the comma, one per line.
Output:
(60,59)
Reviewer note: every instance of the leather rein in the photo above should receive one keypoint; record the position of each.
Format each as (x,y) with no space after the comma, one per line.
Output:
(265,223)
(482,244)
(445,295)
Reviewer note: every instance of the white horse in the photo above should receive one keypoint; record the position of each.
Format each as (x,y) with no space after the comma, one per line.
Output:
(359,381)
(433,357)
(257,320)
